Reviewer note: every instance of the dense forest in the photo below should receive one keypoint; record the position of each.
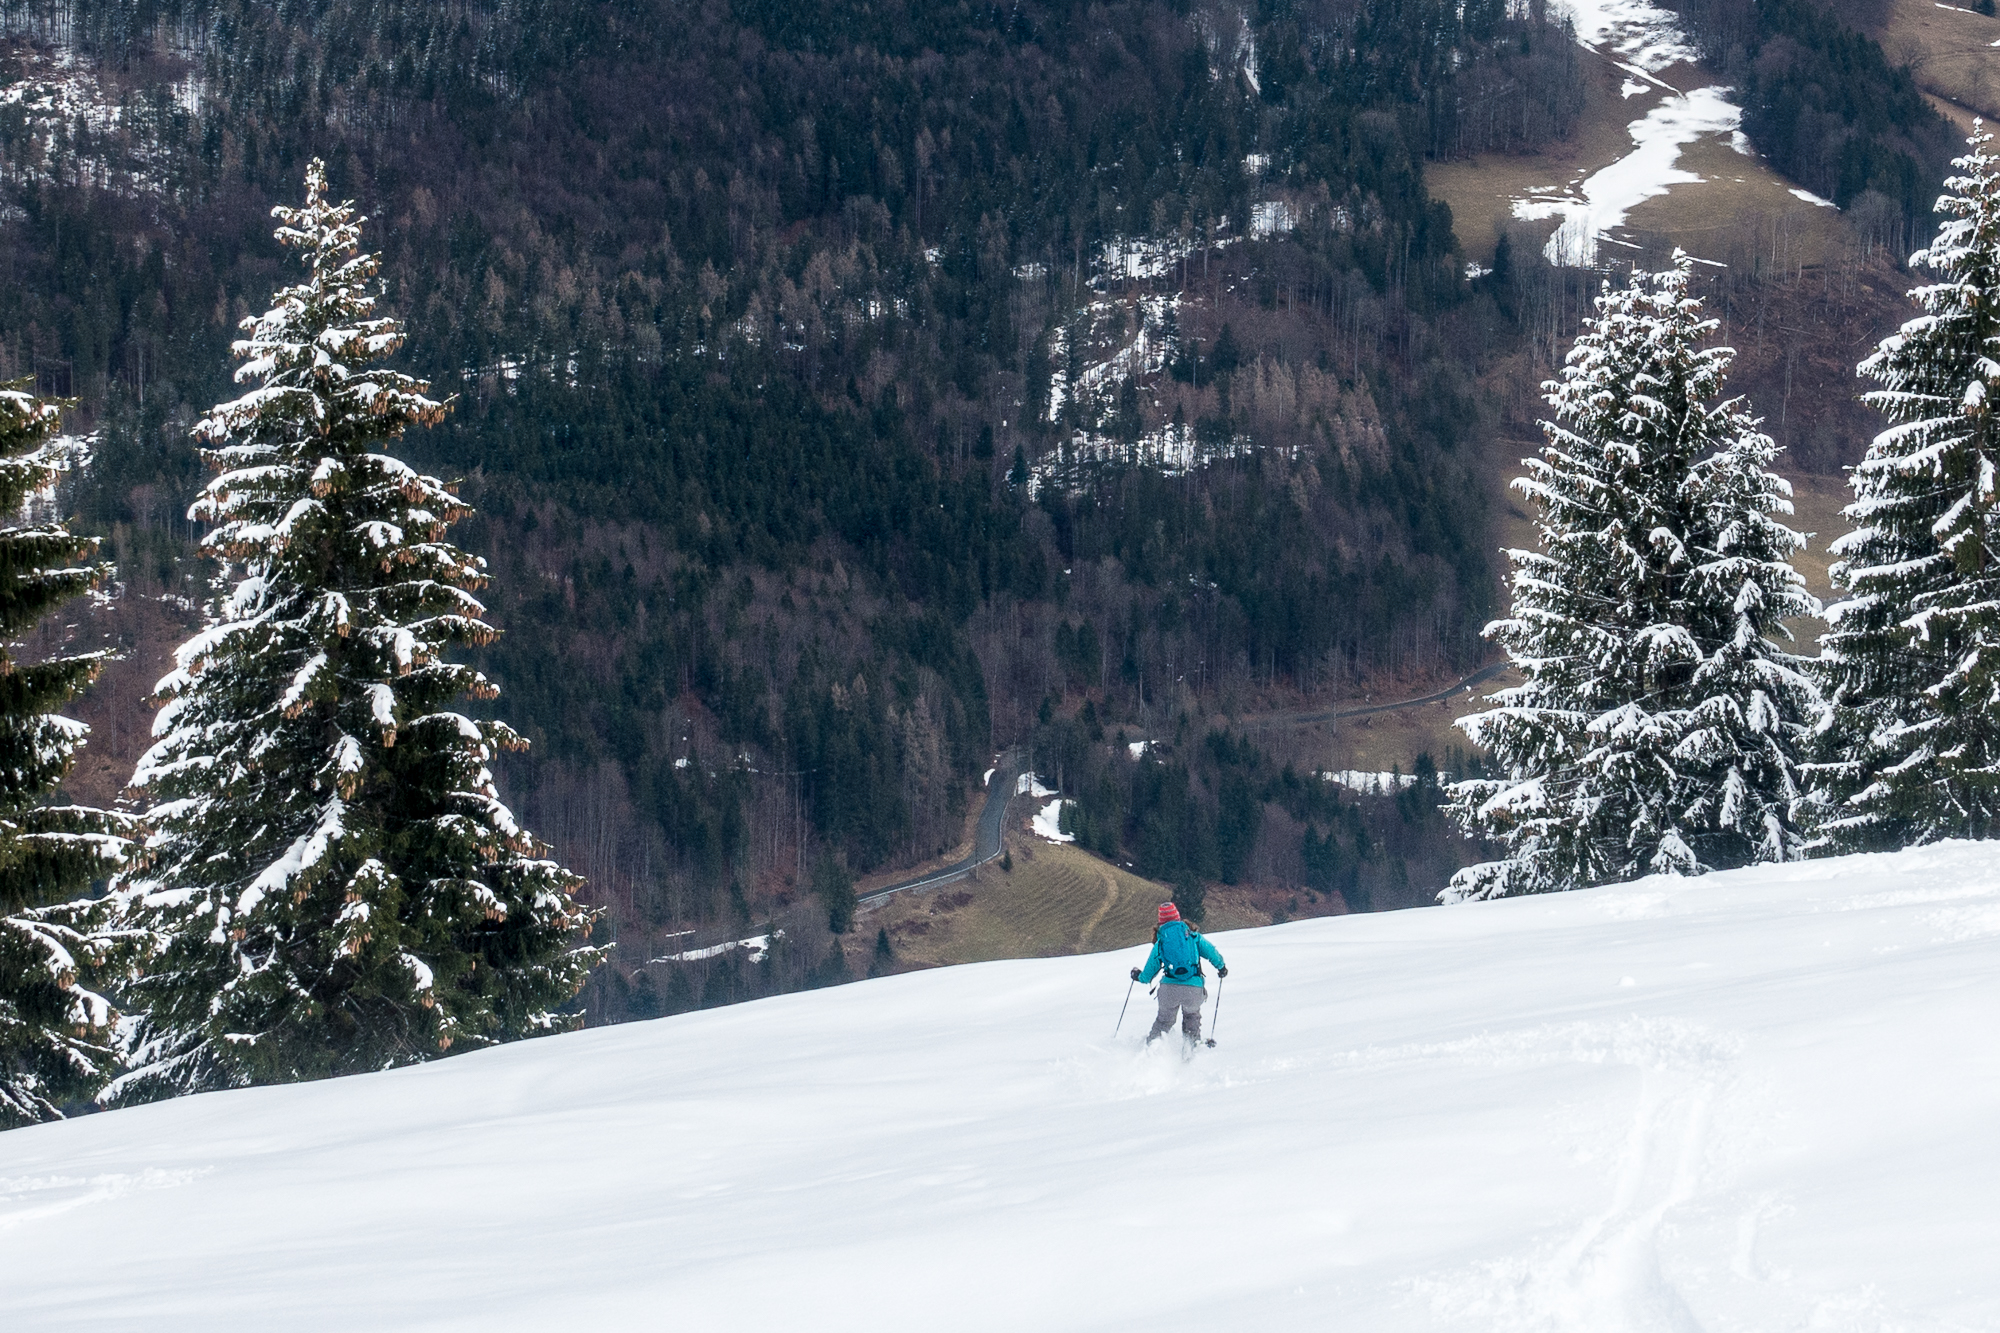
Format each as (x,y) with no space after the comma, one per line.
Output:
(793,350)
(1823,103)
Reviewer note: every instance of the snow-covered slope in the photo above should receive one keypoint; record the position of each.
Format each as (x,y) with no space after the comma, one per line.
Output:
(1764,1100)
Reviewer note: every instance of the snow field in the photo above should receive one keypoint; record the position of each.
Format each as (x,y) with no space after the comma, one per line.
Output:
(1644,37)
(1762,1100)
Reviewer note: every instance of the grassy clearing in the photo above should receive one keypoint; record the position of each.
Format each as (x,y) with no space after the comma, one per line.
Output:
(1385,741)
(1962,118)
(1057,900)
(1951,53)
(1742,209)
(1817,502)
(1481,190)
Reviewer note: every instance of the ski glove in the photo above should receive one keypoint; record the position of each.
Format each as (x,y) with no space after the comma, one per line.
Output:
(1135,974)
(1222,971)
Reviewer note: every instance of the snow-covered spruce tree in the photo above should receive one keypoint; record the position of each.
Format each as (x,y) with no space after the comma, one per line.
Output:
(1910,749)
(1659,727)
(55,1032)
(335,881)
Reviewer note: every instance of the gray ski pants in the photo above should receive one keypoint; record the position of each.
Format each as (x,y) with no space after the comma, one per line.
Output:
(1185,1001)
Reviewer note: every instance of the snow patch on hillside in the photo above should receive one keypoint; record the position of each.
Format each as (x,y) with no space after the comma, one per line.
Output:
(1173,450)
(1593,207)
(1030,784)
(1643,37)
(1273,217)
(1372,784)
(1116,338)
(1047,823)
(81,131)
(758,946)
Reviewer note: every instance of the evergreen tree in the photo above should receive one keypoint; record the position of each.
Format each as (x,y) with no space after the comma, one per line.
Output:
(1191,897)
(334,879)
(55,1032)
(1910,750)
(1659,726)
(834,887)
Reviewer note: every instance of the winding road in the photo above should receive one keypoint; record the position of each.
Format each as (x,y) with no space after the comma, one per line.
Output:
(1471,682)
(985,843)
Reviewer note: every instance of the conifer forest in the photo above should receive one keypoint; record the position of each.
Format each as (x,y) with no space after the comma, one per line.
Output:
(524,515)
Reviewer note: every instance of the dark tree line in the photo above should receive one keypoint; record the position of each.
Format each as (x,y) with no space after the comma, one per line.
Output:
(1823,103)
(1222,810)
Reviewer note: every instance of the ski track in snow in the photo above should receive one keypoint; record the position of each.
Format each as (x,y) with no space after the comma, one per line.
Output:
(1607,1274)
(1753,1102)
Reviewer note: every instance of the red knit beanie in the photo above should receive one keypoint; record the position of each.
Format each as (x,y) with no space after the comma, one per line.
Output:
(1169,912)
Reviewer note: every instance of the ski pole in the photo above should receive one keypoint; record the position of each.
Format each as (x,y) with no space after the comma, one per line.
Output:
(1123,1007)
(1216,1022)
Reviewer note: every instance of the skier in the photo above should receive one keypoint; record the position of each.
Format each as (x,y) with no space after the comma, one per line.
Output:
(1179,948)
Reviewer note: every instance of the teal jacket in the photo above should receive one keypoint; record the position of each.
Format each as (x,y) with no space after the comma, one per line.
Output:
(1154,960)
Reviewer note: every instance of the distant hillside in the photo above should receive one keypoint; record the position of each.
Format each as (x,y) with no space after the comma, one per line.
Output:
(751,315)
(847,392)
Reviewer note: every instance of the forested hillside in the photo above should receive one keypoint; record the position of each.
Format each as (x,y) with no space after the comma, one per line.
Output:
(845,392)
(748,316)
(1824,104)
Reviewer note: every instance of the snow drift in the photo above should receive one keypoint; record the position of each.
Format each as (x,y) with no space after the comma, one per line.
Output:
(1762,1100)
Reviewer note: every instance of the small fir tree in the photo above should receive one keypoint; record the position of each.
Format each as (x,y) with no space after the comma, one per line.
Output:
(335,881)
(834,887)
(1659,726)
(55,1030)
(1910,749)
(1191,897)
